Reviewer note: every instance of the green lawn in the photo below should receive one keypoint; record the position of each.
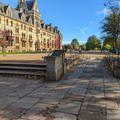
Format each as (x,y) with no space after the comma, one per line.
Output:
(32,52)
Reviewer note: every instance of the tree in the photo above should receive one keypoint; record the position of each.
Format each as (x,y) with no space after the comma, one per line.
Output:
(75,44)
(68,46)
(107,40)
(93,42)
(107,47)
(111,24)
(4,38)
(83,46)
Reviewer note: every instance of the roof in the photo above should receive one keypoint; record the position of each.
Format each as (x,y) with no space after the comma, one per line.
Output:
(30,4)
(16,14)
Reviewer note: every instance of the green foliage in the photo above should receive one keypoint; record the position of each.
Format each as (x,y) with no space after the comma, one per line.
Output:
(111,26)
(68,46)
(107,40)
(107,47)
(93,42)
(96,49)
(75,44)
(83,46)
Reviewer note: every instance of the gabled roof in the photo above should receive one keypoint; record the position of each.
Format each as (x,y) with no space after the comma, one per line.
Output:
(22,4)
(16,14)
(30,4)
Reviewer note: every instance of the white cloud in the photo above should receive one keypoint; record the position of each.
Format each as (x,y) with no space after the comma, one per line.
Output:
(105,11)
(84,30)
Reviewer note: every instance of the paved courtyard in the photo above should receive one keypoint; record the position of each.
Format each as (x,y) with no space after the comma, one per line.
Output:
(87,92)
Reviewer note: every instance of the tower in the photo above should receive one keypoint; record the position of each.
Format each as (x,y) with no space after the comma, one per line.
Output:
(33,11)
(22,4)
(30,8)
(36,14)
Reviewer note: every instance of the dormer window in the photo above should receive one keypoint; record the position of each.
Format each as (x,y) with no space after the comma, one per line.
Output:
(30,20)
(23,18)
(8,11)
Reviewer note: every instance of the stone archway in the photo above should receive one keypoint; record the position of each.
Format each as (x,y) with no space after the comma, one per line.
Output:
(37,46)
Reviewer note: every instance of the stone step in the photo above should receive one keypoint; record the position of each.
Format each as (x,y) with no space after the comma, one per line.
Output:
(21,68)
(22,64)
(33,75)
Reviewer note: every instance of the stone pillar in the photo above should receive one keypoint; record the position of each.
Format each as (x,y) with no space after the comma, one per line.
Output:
(54,68)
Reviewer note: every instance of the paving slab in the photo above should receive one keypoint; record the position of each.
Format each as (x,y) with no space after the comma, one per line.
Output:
(91,115)
(86,92)
(62,116)
(69,107)
(39,112)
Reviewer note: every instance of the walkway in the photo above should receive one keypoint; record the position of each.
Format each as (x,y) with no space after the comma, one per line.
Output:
(87,92)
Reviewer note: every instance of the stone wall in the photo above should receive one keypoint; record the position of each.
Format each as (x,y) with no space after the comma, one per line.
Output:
(70,62)
(58,65)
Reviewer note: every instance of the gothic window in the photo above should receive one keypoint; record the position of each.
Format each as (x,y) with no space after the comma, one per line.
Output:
(41,42)
(44,34)
(30,37)
(30,44)
(7,22)
(11,33)
(23,44)
(17,28)
(24,27)
(12,23)
(44,40)
(41,35)
(23,35)
(52,43)
(21,26)
(30,29)
(17,39)
(17,47)
(48,45)
(10,43)
(44,43)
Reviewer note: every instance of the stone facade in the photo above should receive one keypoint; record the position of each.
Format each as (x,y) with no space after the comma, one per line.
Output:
(28,31)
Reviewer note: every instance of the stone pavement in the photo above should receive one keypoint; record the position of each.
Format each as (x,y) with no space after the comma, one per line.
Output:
(87,92)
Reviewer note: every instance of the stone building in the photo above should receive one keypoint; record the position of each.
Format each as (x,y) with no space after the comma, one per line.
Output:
(27,30)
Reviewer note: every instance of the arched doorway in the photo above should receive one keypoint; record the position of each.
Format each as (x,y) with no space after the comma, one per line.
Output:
(37,46)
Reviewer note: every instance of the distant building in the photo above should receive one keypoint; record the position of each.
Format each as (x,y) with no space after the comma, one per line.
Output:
(28,31)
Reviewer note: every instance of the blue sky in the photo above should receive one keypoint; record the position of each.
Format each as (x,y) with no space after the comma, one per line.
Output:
(74,18)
